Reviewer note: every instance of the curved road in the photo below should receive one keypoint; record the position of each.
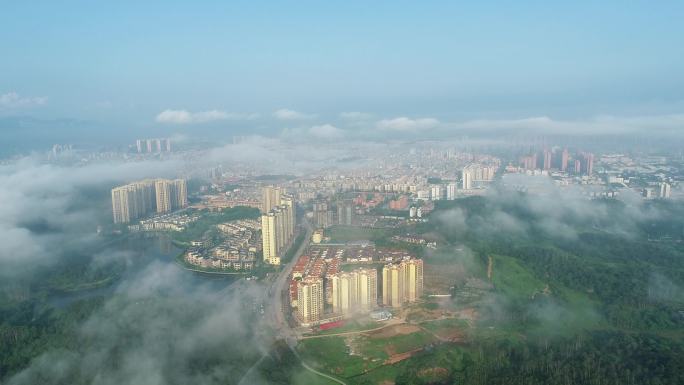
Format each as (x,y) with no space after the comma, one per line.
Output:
(274,314)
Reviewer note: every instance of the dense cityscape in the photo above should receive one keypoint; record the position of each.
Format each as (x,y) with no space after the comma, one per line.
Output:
(341,193)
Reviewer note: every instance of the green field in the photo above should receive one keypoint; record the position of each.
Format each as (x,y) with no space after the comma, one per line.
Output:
(331,355)
(513,279)
(305,377)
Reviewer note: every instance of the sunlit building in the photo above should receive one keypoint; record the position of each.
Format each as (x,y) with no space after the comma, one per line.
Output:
(277,225)
(467,180)
(270,198)
(402,282)
(310,300)
(135,200)
(170,194)
(354,291)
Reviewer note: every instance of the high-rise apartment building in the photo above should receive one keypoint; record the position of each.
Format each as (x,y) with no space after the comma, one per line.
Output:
(270,198)
(436,193)
(180,193)
(310,300)
(451,191)
(322,216)
(153,145)
(467,179)
(564,160)
(354,291)
(547,160)
(277,226)
(287,203)
(268,237)
(412,271)
(665,190)
(163,195)
(134,200)
(589,163)
(171,194)
(123,206)
(392,285)
(402,282)
(345,212)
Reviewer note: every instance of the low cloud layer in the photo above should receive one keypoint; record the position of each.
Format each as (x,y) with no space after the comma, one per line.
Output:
(50,208)
(187,117)
(355,115)
(12,100)
(159,327)
(598,125)
(287,114)
(404,124)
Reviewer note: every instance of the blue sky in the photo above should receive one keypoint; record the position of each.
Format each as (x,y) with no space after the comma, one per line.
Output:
(124,62)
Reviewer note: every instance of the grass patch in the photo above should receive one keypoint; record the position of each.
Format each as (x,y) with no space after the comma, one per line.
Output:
(514,280)
(305,377)
(402,343)
(444,324)
(331,355)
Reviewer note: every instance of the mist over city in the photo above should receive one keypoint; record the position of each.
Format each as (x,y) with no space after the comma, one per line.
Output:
(341,193)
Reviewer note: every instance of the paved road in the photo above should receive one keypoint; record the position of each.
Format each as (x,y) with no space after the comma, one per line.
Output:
(392,322)
(273,314)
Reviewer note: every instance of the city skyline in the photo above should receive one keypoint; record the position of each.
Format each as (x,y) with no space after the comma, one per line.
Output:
(342,192)
(437,69)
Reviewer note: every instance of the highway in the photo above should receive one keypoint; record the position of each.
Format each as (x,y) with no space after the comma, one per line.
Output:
(274,315)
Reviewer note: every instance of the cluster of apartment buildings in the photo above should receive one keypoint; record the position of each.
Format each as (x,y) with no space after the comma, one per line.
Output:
(277,223)
(581,163)
(320,290)
(137,199)
(237,250)
(663,190)
(153,145)
(325,214)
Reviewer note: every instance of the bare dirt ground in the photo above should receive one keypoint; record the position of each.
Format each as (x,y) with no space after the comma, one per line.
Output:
(439,278)
(394,358)
(395,330)
(451,334)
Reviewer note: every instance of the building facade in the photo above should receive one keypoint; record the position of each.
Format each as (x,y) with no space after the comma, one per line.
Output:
(354,291)
(277,224)
(310,300)
(135,200)
(402,282)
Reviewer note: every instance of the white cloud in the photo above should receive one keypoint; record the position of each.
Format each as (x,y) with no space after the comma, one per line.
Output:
(326,131)
(600,125)
(405,124)
(287,114)
(14,100)
(355,115)
(187,117)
